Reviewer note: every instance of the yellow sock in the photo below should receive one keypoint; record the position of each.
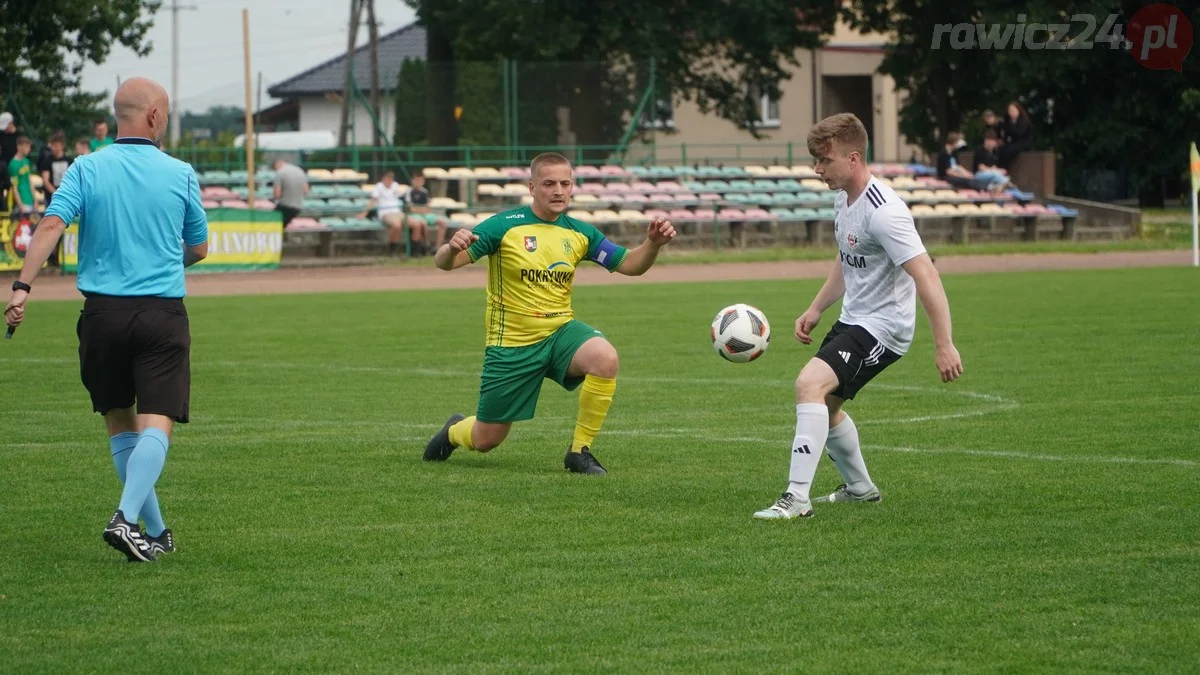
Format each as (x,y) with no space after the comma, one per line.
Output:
(460,433)
(594,400)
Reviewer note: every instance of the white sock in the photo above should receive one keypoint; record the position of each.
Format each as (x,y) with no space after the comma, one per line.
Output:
(812,426)
(847,456)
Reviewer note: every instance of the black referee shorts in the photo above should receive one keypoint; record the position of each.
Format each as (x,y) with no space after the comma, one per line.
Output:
(136,349)
(856,356)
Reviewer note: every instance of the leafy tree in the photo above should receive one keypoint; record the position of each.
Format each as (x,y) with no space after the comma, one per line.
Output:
(410,103)
(44,45)
(714,53)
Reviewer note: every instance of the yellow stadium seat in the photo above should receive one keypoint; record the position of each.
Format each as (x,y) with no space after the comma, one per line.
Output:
(604,215)
(349,174)
(905,195)
(778,170)
(320,174)
(464,218)
(968,209)
(516,189)
(579,215)
(921,209)
(446,203)
(814,184)
(924,195)
(460,172)
(947,195)
(755,170)
(487,172)
(584,199)
(803,171)
(945,208)
(490,189)
(484,215)
(433,172)
(632,216)
(526,198)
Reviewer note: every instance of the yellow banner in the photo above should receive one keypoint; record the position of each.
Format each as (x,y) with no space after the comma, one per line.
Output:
(231,245)
(1195,164)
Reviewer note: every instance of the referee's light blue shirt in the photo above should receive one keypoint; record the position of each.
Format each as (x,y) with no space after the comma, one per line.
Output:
(137,208)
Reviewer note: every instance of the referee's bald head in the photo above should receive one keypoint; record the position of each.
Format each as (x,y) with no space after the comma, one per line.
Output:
(142,107)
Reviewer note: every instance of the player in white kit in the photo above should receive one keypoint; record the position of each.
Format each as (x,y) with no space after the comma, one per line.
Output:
(882,269)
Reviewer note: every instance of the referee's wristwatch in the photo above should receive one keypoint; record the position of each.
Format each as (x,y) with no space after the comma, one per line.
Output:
(19,285)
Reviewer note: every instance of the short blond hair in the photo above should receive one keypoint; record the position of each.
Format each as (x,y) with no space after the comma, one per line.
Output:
(546,159)
(845,128)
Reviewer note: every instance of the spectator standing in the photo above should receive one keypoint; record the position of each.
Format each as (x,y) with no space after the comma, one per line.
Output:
(100,138)
(8,150)
(1016,133)
(291,186)
(20,171)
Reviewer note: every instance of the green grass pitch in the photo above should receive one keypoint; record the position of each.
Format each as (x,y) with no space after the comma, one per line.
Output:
(1041,514)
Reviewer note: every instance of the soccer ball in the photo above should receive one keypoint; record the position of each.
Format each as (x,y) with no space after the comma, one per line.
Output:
(740,333)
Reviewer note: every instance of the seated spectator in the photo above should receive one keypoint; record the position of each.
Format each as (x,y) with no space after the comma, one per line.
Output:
(957,175)
(948,168)
(990,123)
(987,163)
(1016,134)
(386,199)
(416,200)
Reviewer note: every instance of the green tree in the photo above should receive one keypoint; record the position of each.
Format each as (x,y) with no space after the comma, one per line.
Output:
(411,89)
(1096,107)
(713,53)
(44,45)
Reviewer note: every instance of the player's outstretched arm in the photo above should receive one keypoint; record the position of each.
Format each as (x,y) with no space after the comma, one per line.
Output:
(933,299)
(831,291)
(641,258)
(453,254)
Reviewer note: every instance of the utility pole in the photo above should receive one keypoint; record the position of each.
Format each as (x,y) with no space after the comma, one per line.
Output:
(373,32)
(175,9)
(356,8)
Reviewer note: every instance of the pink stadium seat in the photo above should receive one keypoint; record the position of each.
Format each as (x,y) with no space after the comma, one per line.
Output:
(634,198)
(680,214)
(758,214)
(643,186)
(304,224)
(217,192)
(234,204)
(662,198)
(210,203)
(264,205)
(731,214)
(704,214)
(515,171)
(669,186)
(617,187)
(709,197)
(586,171)
(593,187)
(657,213)
(610,170)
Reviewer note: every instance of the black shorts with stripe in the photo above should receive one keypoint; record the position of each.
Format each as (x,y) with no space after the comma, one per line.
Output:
(136,349)
(856,356)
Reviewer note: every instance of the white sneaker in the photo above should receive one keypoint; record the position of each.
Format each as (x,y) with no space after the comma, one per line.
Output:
(787,507)
(843,495)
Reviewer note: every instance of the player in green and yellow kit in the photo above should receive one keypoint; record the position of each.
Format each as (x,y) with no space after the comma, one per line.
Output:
(532,334)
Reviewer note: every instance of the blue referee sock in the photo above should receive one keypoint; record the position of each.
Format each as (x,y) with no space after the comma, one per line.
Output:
(142,470)
(122,445)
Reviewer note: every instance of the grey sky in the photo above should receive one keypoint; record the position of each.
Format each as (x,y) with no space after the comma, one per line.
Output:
(287,37)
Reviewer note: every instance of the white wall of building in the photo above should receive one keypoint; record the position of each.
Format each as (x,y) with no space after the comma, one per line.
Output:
(320,114)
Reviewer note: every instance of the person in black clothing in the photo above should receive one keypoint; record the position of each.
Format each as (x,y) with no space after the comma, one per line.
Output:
(52,166)
(1017,134)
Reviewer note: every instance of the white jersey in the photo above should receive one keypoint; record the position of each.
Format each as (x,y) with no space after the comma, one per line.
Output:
(387,198)
(875,236)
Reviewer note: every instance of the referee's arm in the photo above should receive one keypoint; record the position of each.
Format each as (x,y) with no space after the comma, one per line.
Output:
(195,225)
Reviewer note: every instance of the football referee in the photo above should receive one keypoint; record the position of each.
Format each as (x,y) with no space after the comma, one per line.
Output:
(140,224)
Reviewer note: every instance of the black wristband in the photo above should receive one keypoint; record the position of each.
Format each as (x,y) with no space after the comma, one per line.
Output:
(19,285)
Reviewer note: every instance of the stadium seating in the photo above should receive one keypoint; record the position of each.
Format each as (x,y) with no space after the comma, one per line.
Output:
(771,200)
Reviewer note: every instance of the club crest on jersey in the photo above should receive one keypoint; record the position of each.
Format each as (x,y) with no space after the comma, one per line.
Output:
(852,240)
(531,244)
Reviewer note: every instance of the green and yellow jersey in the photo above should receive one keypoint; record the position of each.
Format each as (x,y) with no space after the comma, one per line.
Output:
(531,267)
